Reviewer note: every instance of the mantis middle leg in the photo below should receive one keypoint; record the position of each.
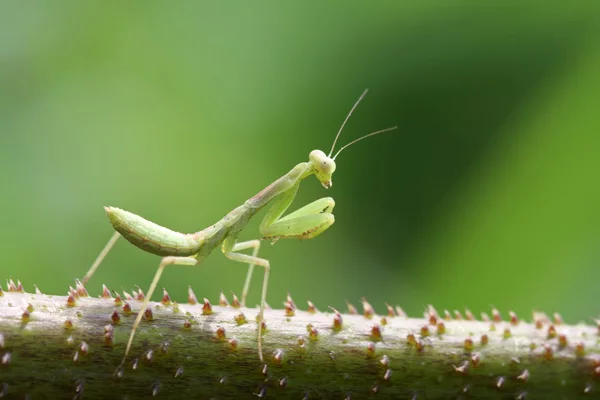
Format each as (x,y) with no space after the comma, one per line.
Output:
(230,249)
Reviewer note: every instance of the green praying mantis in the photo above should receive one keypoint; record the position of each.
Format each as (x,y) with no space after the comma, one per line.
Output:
(192,249)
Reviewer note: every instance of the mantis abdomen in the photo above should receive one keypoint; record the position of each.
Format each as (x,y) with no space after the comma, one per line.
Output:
(151,237)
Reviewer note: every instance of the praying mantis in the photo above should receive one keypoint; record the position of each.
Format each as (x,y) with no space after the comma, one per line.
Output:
(192,249)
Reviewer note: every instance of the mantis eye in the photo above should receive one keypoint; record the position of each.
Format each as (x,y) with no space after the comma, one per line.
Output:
(327,166)
(324,164)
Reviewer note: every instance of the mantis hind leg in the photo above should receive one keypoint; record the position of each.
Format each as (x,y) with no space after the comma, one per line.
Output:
(103,253)
(163,263)
(230,250)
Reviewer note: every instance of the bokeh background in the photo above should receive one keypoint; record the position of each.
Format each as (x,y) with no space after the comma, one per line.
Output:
(488,194)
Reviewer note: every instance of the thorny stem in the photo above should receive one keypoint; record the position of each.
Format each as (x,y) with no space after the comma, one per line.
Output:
(68,347)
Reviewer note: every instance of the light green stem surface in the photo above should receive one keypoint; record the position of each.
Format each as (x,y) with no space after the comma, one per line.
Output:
(44,357)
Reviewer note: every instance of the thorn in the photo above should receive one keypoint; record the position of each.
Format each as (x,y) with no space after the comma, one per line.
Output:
(469,315)
(278,357)
(223,300)
(548,352)
(500,382)
(148,314)
(447,315)
(507,334)
(579,350)
(289,309)
(351,309)
(81,291)
(140,296)
(301,343)
(6,358)
(37,290)
(562,341)
(370,349)
(235,303)
(337,320)
(524,376)
(108,339)
(240,318)
(376,332)
(385,361)
(514,320)
(558,319)
(484,339)
(411,340)
(187,324)
(84,348)
(441,328)
(290,301)
(400,312)
(388,374)
(233,343)
(551,332)
(166,299)
(313,333)
(390,311)
(420,346)
(191,296)
(206,308)
(220,333)
(496,317)
(71,301)
(368,310)
(118,301)
(127,296)
(485,317)
(458,315)
(10,284)
(148,355)
(25,317)
(432,315)
(126,308)
(283,382)
(311,308)
(475,359)
(424,331)
(116,319)
(469,344)
(462,368)
(105,292)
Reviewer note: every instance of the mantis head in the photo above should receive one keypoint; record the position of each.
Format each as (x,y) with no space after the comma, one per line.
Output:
(324,164)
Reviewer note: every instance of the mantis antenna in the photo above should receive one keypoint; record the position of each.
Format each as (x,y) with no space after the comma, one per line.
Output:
(364,137)
(346,120)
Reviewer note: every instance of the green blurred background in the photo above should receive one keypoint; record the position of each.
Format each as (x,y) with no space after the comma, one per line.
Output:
(180,111)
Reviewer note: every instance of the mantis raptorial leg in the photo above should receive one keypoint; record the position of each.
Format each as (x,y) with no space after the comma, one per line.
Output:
(192,249)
